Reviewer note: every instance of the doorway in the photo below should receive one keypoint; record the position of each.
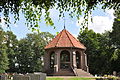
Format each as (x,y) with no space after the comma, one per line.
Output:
(78,60)
(64,60)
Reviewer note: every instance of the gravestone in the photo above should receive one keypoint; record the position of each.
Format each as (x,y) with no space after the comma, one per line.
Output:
(37,76)
(114,73)
(21,77)
(43,75)
(3,77)
(34,76)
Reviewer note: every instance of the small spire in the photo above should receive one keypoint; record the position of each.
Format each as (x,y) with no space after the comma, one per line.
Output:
(0,20)
(64,21)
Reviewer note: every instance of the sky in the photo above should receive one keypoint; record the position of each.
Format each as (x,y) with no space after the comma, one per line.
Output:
(102,20)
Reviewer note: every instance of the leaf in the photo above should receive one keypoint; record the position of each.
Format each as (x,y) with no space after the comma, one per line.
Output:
(118,19)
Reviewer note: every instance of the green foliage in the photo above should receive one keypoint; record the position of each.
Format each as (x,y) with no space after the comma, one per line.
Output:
(11,43)
(34,9)
(115,34)
(115,62)
(3,55)
(106,51)
(31,51)
(90,39)
(25,55)
(99,51)
(102,49)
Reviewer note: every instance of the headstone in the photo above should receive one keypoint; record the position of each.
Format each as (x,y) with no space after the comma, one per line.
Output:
(42,75)
(118,74)
(34,76)
(21,77)
(114,73)
(3,77)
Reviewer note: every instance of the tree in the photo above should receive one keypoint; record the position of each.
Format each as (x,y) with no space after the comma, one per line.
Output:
(99,51)
(116,61)
(31,51)
(33,9)
(12,44)
(90,39)
(3,54)
(107,50)
(115,34)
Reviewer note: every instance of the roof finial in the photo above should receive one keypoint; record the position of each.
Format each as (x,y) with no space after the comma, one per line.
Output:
(64,21)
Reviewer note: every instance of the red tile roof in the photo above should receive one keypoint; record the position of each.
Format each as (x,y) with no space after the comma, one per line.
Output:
(65,39)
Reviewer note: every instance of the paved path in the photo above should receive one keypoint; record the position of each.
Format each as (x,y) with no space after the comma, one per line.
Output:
(65,77)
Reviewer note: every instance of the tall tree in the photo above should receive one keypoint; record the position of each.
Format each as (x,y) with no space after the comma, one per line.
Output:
(30,52)
(107,51)
(90,39)
(3,55)
(116,61)
(115,34)
(99,51)
(12,44)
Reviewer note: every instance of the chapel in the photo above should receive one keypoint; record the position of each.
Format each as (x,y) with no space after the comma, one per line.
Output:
(65,56)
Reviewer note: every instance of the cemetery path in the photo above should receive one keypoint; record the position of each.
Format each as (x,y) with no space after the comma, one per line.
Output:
(69,78)
(66,77)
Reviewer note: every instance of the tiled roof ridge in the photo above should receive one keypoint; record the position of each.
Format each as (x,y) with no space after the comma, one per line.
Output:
(69,37)
(76,39)
(52,40)
(59,38)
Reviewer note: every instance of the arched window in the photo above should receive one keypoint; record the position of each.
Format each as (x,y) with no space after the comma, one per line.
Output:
(65,60)
(78,59)
(52,60)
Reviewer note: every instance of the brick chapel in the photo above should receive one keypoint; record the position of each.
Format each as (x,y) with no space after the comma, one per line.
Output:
(65,56)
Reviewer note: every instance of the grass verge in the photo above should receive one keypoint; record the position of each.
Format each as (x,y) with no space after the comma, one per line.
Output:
(54,78)
(81,79)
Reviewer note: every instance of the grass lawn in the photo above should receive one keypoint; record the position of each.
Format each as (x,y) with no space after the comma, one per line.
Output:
(54,78)
(81,79)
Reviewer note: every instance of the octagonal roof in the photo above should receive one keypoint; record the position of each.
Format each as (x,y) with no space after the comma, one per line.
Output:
(65,39)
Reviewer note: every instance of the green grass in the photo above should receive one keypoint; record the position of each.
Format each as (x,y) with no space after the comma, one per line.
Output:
(54,78)
(81,79)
